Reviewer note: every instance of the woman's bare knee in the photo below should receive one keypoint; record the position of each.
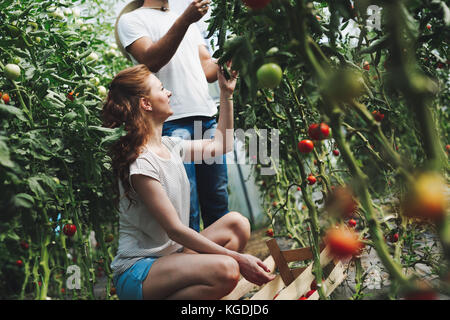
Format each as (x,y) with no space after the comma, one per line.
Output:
(240,226)
(227,274)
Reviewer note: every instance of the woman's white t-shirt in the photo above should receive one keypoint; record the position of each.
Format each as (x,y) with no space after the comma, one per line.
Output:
(183,75)
(140,235)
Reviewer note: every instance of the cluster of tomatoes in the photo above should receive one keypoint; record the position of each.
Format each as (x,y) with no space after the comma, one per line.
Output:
(12,72)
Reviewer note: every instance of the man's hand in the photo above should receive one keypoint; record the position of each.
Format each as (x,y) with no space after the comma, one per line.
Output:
(195,11)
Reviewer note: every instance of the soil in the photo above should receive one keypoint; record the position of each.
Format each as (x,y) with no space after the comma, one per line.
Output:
(257,247)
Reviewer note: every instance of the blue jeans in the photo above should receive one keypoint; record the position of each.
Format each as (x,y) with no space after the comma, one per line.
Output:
(209,194)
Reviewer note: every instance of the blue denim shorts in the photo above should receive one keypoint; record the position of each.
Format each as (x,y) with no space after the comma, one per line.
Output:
(129,283)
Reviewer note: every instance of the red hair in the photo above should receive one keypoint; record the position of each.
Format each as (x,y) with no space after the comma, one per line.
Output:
(122,107)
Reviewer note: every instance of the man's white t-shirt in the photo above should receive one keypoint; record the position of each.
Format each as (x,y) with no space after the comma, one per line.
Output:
(183,75)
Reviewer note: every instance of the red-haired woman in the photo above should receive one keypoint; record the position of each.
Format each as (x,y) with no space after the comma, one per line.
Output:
(159,256)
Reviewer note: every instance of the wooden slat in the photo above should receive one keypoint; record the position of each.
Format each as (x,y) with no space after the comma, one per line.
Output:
(335,278)
(300,254)
(280,262)
(244,286)
(302,283)
(269,290)
(297,271)
(297,254)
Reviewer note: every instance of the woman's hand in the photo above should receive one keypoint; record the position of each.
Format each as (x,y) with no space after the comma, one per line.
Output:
(253,269)
(227,86)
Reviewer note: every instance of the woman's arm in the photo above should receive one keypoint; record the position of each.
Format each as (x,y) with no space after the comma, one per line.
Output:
(223,140)
(161,208)
(209,65)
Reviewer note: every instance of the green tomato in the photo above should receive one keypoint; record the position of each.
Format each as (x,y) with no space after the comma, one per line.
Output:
(95,81)
(272,51)
(102,91)
(269,75)
(345,85)
(12,71)
(58,14)
(92,57)
(76,12)
(78,22)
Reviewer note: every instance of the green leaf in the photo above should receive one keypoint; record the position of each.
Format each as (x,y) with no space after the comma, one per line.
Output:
(446,13)
(14,111)
(70,116)
(23,200)
(35,186)
(4,155)
(376,45)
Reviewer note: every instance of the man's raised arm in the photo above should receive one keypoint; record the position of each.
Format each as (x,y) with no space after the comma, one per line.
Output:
(157,54)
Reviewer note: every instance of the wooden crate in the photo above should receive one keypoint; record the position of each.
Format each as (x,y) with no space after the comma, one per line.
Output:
(291,284)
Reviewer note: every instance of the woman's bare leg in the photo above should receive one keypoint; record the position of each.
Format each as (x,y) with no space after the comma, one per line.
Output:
(200,276)
(191,276)
(232,231)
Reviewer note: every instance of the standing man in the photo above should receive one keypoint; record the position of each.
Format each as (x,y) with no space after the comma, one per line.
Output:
(172,47)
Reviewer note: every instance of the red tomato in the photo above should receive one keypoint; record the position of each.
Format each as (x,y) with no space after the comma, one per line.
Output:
(24,244)
(447,148)
(343,242)
(5,98)
(309,293)
(378,115)
(19,263)
(366,65)
(336,152)
(69,229)
(351,223)
(311,179)
(305,146)
(429,26)
(318,131)
(256,4)
(70,96)
(314,284)
(426,198)
(394,237)
(269,232)
(421,295)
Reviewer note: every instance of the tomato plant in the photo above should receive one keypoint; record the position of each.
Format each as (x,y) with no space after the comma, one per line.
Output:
(383,95)
(53,163)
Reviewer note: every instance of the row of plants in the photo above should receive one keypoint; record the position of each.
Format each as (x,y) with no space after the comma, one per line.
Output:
(362,119)
(56,58)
